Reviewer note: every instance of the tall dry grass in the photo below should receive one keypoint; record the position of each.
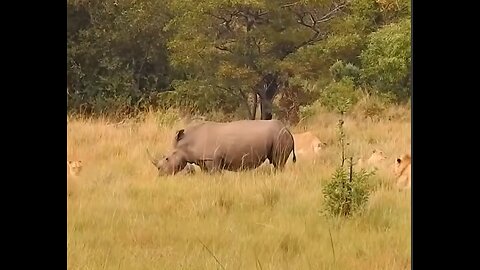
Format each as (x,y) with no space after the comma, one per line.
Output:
(121,215)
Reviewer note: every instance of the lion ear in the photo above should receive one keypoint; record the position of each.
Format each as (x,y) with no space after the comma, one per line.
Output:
(179,135)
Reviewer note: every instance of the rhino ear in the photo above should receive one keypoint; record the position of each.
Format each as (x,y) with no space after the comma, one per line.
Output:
(180,134)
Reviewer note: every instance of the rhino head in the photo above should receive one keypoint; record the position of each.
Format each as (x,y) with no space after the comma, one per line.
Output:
(170,164)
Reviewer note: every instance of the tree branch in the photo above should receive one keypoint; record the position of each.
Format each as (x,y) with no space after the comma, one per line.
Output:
(258,45)
(307,17)
(242,95)
(253,17)
(222,48)
(225,22)
(337,8)
(314,25)
(289,5)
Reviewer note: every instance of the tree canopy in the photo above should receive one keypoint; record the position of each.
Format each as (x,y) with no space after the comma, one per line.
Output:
(228,56)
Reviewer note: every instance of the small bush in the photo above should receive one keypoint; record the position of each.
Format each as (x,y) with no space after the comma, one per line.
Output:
(346,195)
(372,108)
(373,105)
(348,192)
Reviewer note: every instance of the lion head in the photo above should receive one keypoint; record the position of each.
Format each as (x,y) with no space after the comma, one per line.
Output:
(375,158)
(75,167)
(402,171)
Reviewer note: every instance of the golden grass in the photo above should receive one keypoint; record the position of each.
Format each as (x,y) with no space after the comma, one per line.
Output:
(121,215)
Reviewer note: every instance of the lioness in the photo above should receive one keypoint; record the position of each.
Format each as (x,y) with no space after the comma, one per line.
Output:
(402,171)
(189,169)
(75,167)
(307,144)
(374,159)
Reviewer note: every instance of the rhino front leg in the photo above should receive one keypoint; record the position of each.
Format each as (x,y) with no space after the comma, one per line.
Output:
(210,166)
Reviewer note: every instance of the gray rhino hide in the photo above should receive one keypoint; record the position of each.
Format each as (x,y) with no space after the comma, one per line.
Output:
(234,146)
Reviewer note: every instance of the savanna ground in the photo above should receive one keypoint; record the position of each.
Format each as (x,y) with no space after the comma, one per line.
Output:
(121,215)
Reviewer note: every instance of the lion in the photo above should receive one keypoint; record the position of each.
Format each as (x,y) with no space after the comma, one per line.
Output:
(307,144)
(75,167)
(402,171)
(375,158)
(190,168)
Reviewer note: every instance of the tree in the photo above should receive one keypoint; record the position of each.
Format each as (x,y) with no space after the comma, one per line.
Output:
(387,58)
(239,46)
(116,54)
(231,56)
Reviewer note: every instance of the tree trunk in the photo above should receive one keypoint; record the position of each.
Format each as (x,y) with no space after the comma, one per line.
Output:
(261,109)
(266,109)
(267,89)
(250,113)
(253,116)
(245,99)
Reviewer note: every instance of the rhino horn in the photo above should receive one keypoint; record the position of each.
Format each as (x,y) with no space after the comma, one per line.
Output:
(152,159)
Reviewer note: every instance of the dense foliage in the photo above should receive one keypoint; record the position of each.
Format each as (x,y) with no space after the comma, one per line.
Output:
(231,56)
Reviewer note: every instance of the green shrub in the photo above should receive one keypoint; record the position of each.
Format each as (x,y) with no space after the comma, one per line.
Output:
(340,96)
(347,193)
(386,60)
(339,70)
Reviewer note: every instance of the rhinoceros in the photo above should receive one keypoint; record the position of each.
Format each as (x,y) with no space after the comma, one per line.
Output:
(232,146)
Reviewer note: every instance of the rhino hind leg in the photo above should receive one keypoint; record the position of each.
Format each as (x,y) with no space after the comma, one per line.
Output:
(270,158)
(279,160)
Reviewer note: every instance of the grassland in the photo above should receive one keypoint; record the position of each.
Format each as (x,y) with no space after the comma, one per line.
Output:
(121,215)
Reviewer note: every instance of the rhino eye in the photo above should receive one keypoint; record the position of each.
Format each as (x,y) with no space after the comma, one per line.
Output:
(166,159)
